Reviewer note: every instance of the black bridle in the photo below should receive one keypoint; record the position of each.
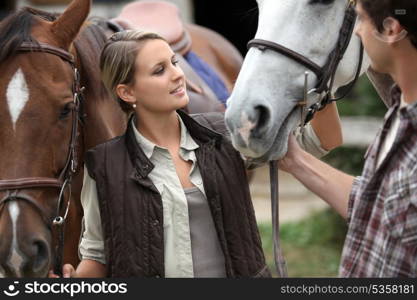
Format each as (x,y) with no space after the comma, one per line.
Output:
(325,80)
(63,182)
(326,74)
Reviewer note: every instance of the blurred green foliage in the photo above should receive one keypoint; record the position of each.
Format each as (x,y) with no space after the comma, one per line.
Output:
(347,159)
(362,101)
(312,247)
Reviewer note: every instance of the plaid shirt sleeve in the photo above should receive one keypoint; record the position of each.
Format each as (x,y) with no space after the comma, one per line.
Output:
(410,227)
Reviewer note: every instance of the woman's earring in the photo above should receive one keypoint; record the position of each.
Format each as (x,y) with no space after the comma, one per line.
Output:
(134,105)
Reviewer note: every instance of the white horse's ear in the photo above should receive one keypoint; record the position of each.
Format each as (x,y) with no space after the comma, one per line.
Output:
(67,26)
(393,31)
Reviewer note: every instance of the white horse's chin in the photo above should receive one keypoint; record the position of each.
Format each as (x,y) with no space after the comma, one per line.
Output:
(245,151)
(279,146)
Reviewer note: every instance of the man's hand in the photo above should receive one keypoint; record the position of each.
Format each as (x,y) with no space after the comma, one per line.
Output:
(332,185)
(288,161)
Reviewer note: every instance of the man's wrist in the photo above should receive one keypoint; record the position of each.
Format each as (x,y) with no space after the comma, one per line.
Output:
(298,163)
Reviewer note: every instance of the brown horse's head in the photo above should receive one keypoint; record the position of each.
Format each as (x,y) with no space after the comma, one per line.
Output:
(36,122)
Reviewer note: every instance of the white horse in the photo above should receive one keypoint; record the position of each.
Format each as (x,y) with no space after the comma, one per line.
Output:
(262,109)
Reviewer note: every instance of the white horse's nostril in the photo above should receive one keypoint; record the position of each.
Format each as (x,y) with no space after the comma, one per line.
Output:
(246,127)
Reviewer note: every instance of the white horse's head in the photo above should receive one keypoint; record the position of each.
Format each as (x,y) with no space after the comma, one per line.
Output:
(262,110)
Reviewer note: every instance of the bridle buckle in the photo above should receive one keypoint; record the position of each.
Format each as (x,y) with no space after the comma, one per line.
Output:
(58,221)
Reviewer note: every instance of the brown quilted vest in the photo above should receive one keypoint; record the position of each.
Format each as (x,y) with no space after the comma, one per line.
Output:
(131,207)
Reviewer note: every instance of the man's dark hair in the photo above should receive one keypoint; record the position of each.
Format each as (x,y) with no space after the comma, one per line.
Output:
(405,11)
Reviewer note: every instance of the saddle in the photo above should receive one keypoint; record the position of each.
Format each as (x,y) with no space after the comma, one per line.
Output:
(157,16)
(164,18)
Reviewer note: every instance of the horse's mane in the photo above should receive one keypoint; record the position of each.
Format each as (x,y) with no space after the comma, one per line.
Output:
(16,29)
(106,116)
(88,45)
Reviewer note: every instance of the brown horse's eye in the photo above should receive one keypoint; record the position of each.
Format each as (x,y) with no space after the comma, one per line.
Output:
(66,110)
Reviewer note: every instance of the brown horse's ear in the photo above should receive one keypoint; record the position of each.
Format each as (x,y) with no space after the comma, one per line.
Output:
(67,26)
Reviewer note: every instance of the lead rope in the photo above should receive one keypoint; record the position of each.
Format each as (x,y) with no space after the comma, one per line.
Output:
(280,264)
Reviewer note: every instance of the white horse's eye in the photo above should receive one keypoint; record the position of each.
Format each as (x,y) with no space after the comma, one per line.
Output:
(323,2)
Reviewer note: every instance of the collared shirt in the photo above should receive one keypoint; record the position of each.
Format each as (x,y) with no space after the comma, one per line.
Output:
(178,253)
(382,213)
(391,134)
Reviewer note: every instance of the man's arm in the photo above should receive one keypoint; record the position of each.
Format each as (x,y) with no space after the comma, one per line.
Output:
(327,126)
(332,185)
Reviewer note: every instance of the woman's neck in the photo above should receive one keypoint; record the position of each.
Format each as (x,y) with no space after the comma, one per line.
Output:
(163,130)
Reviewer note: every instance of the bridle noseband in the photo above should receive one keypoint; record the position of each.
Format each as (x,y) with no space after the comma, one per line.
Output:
(63,182)
(325,80)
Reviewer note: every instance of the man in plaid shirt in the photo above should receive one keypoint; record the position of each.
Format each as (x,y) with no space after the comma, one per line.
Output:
(381,205)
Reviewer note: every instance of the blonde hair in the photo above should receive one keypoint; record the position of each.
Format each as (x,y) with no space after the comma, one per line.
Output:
(117,60)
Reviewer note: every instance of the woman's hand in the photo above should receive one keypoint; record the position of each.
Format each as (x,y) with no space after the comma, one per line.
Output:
(68,271)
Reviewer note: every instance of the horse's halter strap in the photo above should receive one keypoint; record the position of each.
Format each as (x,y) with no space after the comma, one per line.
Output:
(325,76)
(13,186)
(46,48)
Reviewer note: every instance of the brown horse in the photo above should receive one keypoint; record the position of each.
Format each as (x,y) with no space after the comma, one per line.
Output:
(223,57)
(36,120)
(44,132)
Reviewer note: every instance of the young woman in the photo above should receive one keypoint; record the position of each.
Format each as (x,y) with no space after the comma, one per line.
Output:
(170,197)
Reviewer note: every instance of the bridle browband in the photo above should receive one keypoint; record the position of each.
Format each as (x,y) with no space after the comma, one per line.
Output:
(63,182)
(325,80)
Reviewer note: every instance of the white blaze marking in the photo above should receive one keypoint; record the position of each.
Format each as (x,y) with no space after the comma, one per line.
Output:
(15,258)
(17,95)
(246,127)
